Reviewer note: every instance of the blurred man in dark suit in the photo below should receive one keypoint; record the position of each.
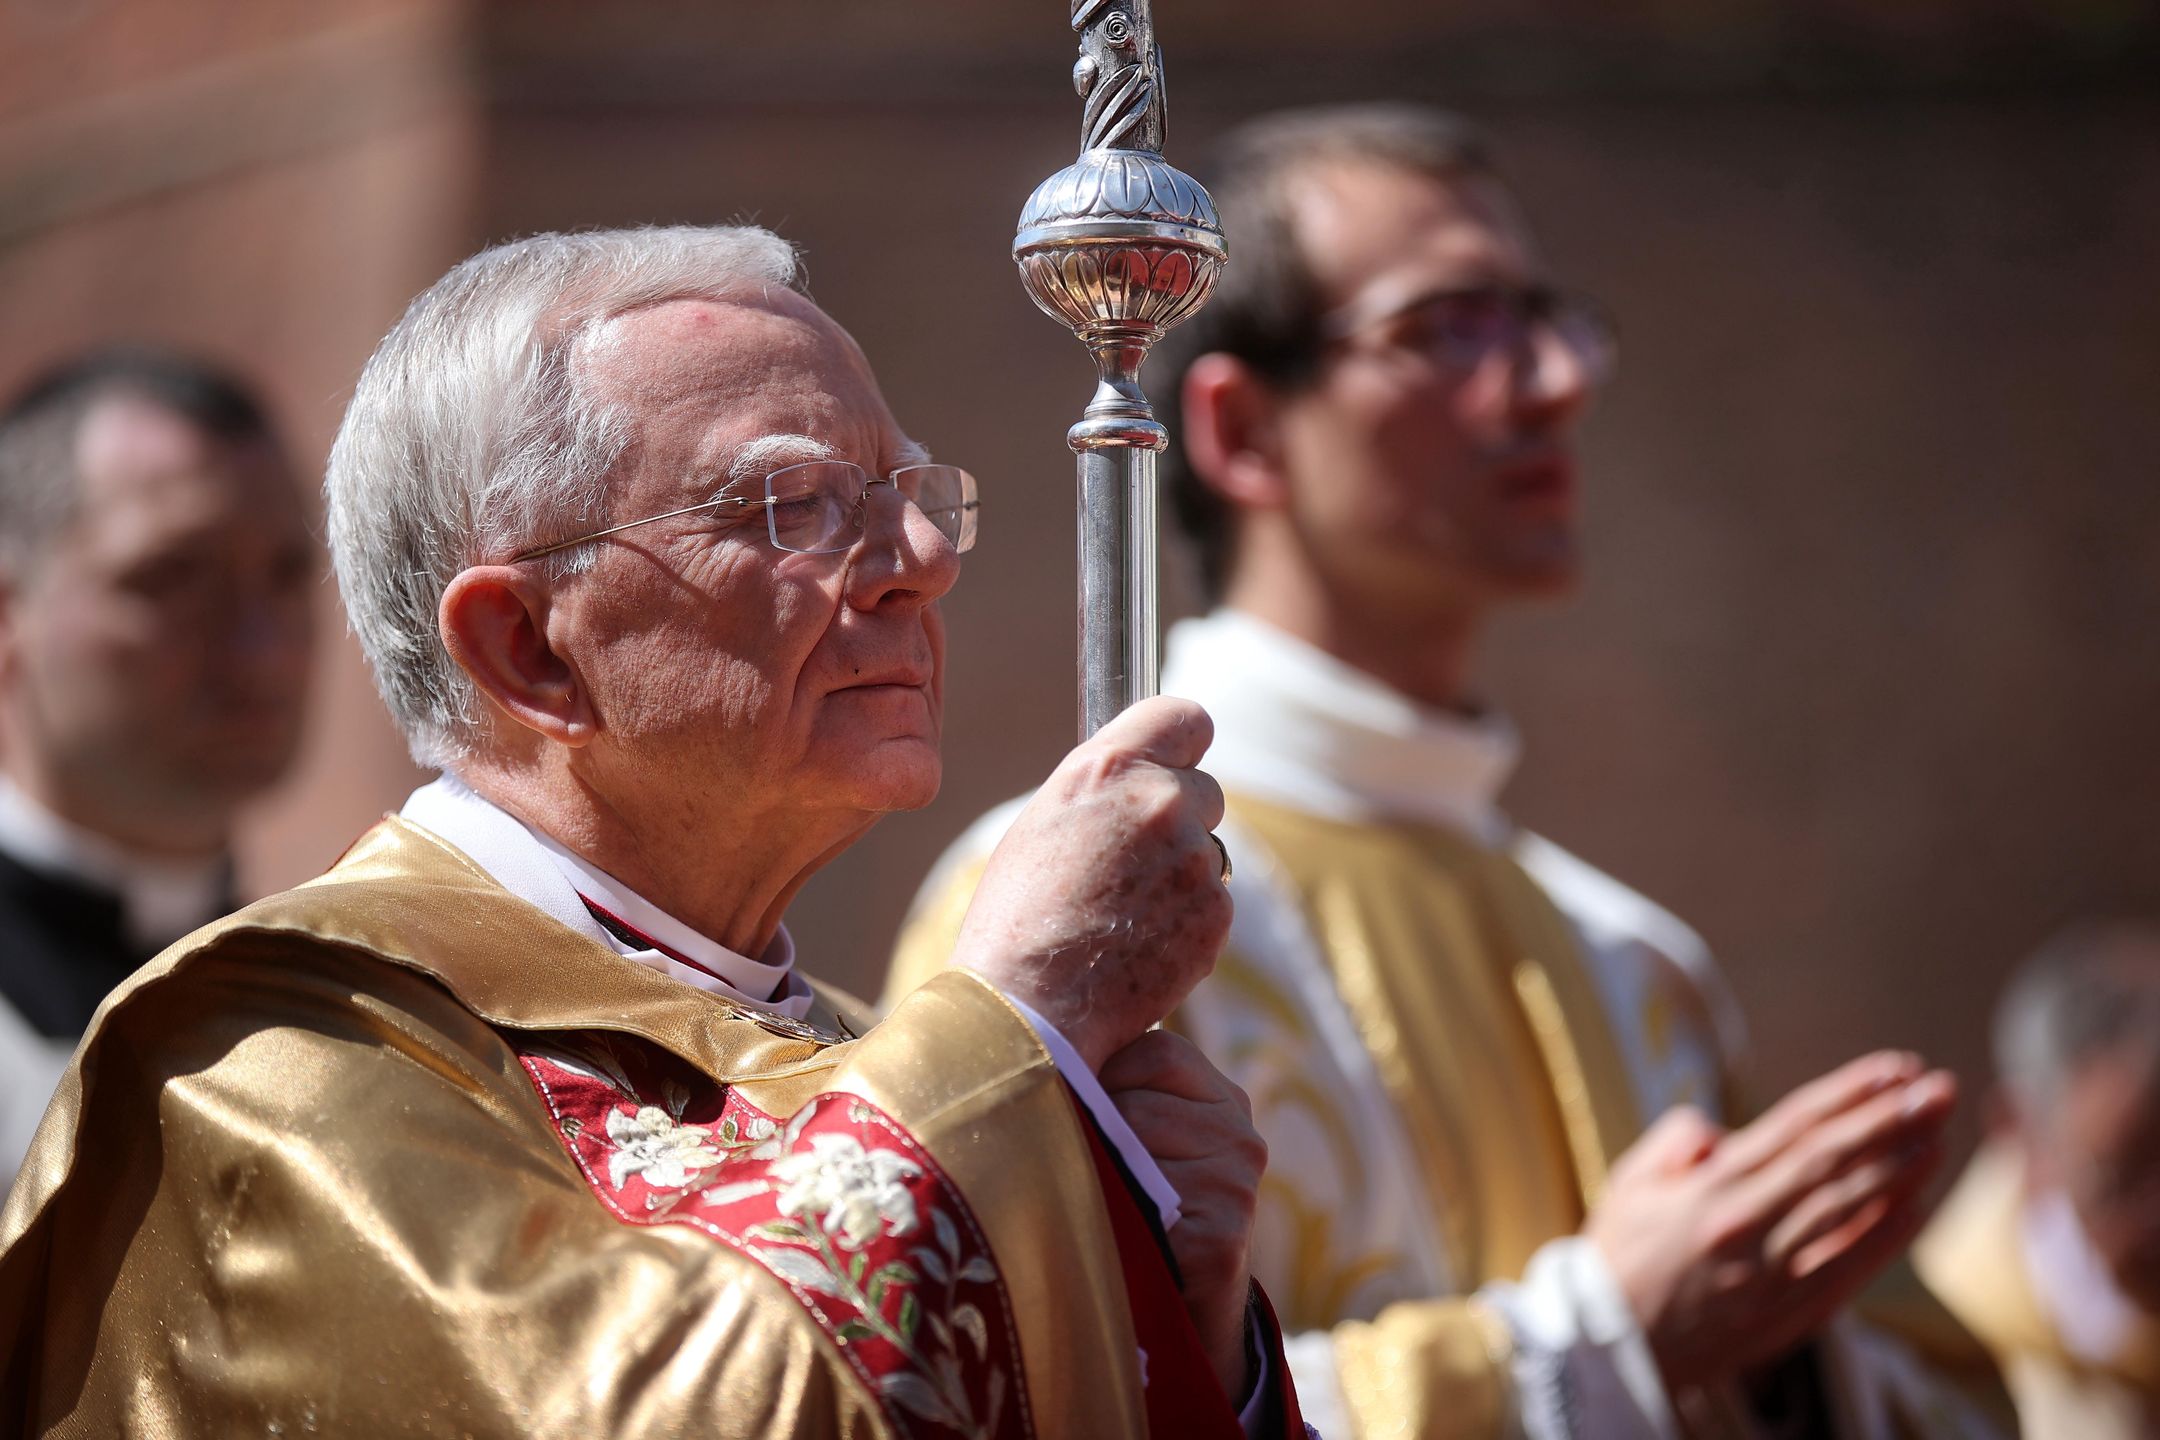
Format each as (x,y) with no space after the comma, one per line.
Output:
(155,573)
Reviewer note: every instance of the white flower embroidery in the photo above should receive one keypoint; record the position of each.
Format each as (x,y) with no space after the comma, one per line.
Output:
(651,1143)
(851,1190)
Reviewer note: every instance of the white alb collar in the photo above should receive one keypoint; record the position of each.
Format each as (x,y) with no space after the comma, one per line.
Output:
(160,900)
(1297,726)
(538,870)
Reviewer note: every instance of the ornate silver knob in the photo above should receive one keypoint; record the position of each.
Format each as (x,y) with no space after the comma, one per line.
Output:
(1120,245)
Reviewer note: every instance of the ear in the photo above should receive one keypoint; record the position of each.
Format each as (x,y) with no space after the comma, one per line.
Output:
(494,622)
(1232,435)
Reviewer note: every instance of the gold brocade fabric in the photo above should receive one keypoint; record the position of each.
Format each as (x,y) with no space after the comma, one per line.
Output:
(297,1182)
(1466,985)
(1427,1370)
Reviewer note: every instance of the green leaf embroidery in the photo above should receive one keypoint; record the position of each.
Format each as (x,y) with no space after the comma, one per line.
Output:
(910,1312)
(891,1273)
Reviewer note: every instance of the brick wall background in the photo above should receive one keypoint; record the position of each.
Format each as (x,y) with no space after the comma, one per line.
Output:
(1865,679)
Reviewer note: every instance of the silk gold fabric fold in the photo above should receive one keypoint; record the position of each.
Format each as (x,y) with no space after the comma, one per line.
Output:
(301,1180)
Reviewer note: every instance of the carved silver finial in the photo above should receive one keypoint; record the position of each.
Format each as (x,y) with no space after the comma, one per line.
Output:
(1120,245)
(1119,75)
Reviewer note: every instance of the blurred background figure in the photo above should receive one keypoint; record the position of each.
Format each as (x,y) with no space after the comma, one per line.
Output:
(2049,1249)
(156,575)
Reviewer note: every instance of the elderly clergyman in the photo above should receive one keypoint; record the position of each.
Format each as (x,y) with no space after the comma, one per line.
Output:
(522,1120)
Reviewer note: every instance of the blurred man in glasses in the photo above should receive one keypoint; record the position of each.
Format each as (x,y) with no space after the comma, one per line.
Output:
(1508,1189)
(157,581)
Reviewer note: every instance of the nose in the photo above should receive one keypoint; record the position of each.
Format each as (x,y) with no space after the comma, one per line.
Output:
(902,557)
(1552,378)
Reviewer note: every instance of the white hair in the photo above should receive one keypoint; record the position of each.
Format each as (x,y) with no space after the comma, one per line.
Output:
(475,433)
(2092,991)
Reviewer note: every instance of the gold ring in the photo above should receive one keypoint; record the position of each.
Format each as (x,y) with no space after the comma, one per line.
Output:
(1224,851)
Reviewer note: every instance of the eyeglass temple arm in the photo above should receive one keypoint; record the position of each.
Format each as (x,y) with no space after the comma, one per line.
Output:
(633,524)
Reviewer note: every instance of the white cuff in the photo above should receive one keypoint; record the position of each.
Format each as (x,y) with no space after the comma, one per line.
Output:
(1320,1397)
(1582,1366)
(1115,1130)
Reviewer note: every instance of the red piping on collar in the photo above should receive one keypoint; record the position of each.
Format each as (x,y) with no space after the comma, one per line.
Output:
(625,931)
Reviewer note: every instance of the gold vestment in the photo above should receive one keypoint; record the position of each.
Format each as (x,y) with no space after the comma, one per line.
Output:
(306,1177)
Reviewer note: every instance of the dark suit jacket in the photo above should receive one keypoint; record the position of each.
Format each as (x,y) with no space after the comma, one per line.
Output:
(63,947)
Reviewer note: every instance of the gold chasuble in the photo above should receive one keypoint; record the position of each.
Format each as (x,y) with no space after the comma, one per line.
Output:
(1449,1028)
(395,1153)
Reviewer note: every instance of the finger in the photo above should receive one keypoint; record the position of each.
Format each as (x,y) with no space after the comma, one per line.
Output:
(1815,1102)
(1680,1138)
(1173,1127)
(1901,1118)
(1833,1277)
(1165,730)
(1166,1062)
(1833,1217)
(1204,795)
(1912,1190)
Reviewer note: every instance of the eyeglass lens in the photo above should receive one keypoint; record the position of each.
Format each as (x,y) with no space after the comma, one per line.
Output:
(1468,327)
(817,508)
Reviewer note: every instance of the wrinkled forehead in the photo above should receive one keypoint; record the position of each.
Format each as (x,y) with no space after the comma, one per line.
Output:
(718,374)
(1366,227)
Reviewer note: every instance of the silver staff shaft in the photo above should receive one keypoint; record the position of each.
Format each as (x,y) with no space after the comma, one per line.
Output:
(1120,648)
(1120,246)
